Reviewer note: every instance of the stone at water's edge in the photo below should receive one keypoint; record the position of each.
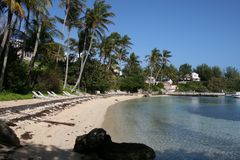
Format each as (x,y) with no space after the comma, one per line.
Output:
(99,142)
(92,141)
(8,136)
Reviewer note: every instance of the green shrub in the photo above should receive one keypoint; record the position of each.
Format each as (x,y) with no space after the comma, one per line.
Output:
(192,87)
(7,96)
(158,88)
(49,80)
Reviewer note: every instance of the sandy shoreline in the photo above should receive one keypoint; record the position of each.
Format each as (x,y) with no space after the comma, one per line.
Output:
(48,137)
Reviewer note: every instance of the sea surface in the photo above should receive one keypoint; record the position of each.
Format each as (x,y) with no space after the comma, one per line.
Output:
(179,128)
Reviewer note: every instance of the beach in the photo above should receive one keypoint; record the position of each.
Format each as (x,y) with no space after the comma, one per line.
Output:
(41,137)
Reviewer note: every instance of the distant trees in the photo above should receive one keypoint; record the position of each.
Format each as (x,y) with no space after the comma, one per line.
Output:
(212,79)
(185,69)
(231,73)
(158,62)
(204,72)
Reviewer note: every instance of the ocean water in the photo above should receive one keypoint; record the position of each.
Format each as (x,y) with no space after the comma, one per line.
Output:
(179,128)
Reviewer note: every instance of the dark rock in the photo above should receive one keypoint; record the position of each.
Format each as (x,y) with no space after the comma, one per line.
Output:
(126,151)
(99,142)
(146,95)
(8,136)
(91,141)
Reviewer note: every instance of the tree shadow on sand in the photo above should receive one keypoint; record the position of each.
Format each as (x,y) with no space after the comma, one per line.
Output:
(182,154)
(42,152)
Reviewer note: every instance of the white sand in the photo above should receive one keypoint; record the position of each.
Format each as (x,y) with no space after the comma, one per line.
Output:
(60,138)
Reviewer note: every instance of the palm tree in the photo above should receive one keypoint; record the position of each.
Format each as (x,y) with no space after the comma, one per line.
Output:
(41,14)
(30,6)
(76,5)
(124,45)
(74,9)
(111,44)
(153,59)
(13,6)
(96,21)
(163,63)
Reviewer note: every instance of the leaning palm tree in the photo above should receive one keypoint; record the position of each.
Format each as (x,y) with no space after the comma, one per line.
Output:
(76,5)
(163,63)
(96,21)
(73,20)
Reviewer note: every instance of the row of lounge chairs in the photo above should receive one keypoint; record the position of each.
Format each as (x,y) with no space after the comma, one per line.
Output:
(38,94)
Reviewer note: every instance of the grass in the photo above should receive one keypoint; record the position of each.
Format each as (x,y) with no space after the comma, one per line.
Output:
(8,96)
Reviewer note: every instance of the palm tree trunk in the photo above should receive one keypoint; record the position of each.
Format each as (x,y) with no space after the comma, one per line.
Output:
(110,61)
(64,23)
(150,80)
(67,59)
(83,64)
(160,70)
(6,32)
(31,64)
(25,35)
(4,66)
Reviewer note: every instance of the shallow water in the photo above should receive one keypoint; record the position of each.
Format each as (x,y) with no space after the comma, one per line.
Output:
(182,128)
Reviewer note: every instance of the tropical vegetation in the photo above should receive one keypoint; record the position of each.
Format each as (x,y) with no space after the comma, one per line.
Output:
(36,55)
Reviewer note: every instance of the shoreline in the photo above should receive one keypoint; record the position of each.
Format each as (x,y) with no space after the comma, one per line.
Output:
(43,136)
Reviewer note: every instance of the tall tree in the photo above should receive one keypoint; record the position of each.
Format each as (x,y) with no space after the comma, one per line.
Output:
(133,78)
(164,60)
(122,49)
(216,72)
(232,73)
(204,71)
(13,6)
(96,21)
(153,60)
(76,5)
(185,69)
(41,14)
(73,8)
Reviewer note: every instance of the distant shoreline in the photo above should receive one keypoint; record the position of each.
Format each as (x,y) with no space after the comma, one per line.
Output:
(201,94)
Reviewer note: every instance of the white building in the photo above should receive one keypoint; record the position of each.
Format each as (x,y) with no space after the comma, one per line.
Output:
(169,87)
(195,77)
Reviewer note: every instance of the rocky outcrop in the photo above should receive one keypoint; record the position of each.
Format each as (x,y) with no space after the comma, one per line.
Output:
(8,136)
(98,142)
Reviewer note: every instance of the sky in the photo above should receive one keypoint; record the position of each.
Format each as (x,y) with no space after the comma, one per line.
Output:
(195,31)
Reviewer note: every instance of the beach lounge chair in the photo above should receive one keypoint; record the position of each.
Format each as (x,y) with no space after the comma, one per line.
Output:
(40,93)
(68,94)
(51,95)
(36,95)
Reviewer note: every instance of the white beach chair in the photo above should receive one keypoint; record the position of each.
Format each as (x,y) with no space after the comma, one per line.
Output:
(68,94)
(40,93)
(36,95)
(50,94)
(53,93)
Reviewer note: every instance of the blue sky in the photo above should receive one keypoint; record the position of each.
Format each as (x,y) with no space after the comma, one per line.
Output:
(195,31)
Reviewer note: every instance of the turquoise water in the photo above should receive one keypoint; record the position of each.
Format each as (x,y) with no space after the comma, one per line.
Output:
(180,128)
